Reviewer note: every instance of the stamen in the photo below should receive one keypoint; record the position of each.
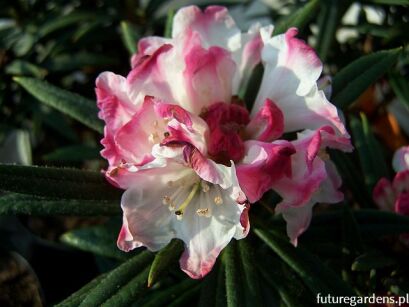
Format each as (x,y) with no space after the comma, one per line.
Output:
(166,134)
(154,138)
(187,201)
(205,186)
(166,200)
(323,155)
(155,123)
(218,200)
(203,212)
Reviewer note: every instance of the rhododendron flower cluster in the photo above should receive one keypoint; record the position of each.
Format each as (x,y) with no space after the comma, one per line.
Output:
(189,155)
(394,196)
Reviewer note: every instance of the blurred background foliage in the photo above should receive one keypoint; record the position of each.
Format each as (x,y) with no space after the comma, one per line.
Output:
(53,241)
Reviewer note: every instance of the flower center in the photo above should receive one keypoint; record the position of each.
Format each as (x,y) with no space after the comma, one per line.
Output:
(200,194)
(226,124)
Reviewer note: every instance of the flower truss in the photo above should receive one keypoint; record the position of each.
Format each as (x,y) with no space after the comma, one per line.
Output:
(394,196)
(189,155)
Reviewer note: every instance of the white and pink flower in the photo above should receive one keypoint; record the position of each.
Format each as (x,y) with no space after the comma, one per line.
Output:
(192,158)
(394,196)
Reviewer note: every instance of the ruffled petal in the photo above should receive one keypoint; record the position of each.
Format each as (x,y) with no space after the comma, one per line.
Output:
(263,165)
(290,80)
(205,235)
(384,195)
(268,124)
(214,25)
(298,218)
(146,221)
(116,109)
(207,75)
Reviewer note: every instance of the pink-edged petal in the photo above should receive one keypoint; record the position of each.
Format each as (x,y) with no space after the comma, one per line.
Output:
(148,76)
(290,76)
(146,47)
(402,204)
(206,236)
(146,221)
(298,218)
(249,55)
(208,169)
(268,124)
(116,109)
(134,140)
(214,26)
(263,165)
(308,171)
(400,160)
(384,195)
(401,181)
(207,75)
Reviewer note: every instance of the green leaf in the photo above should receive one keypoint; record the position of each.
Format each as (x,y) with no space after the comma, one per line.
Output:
(234,291)
(75,153)
(64,21)
(118,278)
(77,297)
(99,240)
(56,182)
(370,155)
(169,24)
(351,177)
(76,106)
(210,287)
(169,294)
(373,224)
(250,273)
(183,299)
(288,285)
(71,62)
(16,148)
(329,18)
(299,19)
(387,2)
(314,273)
(13,204)
(130,292)
(400,86)
(164,259)
(129,37)
(21,67)
(356,77)
(372,261)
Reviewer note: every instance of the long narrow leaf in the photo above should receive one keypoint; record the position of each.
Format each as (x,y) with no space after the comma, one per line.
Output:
(300,18)
(15,204)
(314,273)
(129,37)
(355,78)
(164,259)
(117,278)
(234,292)
(56,182)
(77,297)
(74,105)
(250,274)
(128,293)
(100,240)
